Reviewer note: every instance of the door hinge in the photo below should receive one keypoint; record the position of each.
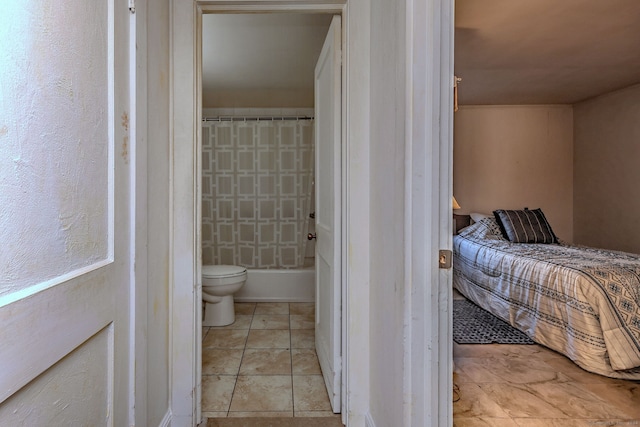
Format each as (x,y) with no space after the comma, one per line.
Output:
(444,258)
(132,6)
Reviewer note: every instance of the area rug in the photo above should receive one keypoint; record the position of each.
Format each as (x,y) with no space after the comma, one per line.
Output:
(473,325)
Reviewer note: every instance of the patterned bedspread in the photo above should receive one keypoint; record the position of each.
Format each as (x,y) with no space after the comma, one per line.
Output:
(582,302)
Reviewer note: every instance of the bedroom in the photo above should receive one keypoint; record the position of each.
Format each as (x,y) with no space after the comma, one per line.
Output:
(548,118)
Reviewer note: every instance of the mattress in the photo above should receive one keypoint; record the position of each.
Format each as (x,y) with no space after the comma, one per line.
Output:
(582,302)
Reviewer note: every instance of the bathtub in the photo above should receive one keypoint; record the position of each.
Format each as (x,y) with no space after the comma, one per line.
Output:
(278,286)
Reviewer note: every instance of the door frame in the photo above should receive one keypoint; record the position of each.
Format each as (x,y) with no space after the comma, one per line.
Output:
(428,188)
(186,194)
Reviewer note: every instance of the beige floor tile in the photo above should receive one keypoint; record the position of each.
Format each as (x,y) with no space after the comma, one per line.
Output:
(269,393)
(497,350)
(217,361)
(305,362)
(624,395)
(269,338)
(575,372)
(272,308)
(475,403)
(303,338)
(518,370)
(310,393)
(484,422)
(270,321)
(302,308)
(226,338)
(205,330)
(316,414)
(548,422)
(576,402)
(261,414)
(303,321)
(245,308)
(242,321)
(213,414)
(479,370)
(519,401)
(274,422)
(266,362)
(460,377)
(216,392)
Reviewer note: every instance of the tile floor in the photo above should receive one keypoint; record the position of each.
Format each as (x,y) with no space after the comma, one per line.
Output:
(264,364)
(532,386)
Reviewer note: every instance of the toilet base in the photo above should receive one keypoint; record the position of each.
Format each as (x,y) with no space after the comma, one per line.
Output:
(219,314)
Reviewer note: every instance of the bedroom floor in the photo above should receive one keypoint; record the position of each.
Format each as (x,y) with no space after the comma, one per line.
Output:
(529,386)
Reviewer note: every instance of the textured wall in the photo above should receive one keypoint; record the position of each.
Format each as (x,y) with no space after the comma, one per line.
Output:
(607,176)
(53,140)
(511,157)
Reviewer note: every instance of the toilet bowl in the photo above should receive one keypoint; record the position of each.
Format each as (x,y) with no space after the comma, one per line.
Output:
(219,283)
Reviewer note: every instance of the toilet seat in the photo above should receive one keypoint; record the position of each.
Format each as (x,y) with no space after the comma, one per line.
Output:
(222,271)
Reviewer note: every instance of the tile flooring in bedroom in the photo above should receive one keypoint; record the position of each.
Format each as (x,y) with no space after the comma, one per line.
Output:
(264,364)
(531,386)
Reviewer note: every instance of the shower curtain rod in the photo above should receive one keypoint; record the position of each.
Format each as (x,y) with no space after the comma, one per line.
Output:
(255,118)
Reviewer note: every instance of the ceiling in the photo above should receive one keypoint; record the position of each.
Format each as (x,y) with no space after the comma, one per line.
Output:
(506,52)
(252,59)
(545,51)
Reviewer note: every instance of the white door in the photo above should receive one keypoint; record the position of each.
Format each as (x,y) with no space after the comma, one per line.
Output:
(65,191)
(328,131)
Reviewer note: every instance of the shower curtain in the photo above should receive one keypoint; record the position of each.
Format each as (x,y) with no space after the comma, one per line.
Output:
(257,178)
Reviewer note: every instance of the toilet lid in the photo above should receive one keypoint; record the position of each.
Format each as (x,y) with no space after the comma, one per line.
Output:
(222,270)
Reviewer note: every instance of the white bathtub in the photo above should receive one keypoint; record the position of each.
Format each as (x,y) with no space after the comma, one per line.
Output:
(278,286)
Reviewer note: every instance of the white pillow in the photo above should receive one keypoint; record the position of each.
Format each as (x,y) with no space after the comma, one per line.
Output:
(477,217)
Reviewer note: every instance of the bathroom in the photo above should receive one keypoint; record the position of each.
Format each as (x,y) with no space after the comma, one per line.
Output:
(257,211)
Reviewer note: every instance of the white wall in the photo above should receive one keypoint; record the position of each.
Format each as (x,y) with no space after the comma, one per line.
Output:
(511,157)
(53,127)
(606,174)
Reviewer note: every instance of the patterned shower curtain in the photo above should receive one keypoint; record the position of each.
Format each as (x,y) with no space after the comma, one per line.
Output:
(257,179)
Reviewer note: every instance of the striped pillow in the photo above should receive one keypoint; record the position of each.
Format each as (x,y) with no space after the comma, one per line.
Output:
(525,226)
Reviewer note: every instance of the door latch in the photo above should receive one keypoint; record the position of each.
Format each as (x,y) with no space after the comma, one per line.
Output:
(444,258)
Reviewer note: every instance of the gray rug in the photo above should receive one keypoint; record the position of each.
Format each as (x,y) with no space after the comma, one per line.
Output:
(473,325)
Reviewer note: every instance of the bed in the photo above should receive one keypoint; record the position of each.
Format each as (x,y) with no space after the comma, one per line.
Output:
(582,302)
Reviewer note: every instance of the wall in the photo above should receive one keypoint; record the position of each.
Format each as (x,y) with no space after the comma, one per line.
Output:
(53,217)
(387,212)
(511,157)
(606,172)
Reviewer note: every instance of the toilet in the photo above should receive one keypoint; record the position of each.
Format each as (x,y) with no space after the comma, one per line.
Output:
(219,283)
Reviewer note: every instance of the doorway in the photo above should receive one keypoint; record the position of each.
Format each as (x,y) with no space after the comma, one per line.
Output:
(255,144)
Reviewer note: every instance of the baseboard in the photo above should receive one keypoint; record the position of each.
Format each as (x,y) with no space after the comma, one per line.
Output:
(368,421)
